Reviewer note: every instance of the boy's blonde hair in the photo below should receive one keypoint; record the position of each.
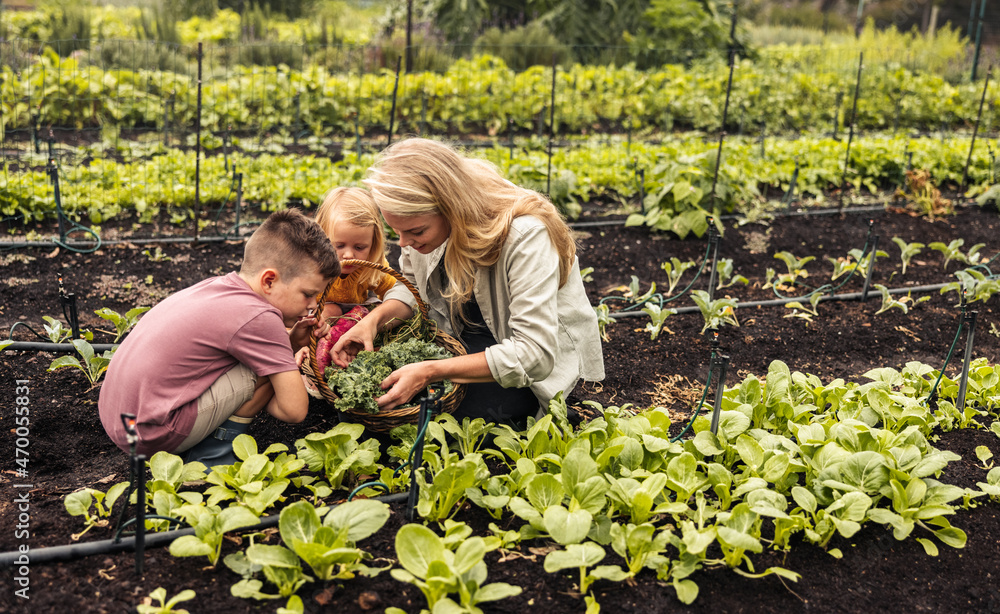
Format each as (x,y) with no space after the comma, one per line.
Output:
(357,207)
(422,177)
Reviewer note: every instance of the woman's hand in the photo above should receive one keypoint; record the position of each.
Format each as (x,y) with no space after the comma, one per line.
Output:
(361,336)
(405,383)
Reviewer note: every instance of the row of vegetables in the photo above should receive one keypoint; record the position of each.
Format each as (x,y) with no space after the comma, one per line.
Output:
(793,458)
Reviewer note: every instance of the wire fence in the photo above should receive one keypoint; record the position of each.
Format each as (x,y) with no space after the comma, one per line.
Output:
(237,111)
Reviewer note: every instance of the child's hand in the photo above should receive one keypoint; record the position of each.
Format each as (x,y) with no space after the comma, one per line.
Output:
(299,334)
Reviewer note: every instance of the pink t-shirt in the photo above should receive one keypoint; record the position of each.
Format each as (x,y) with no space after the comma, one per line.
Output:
(179,349)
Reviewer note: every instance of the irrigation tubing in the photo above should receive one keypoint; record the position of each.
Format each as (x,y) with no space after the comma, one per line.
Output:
(72,552)
(38,346)
(848,296)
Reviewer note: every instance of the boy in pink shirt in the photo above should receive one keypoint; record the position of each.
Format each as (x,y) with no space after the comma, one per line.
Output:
(203,362)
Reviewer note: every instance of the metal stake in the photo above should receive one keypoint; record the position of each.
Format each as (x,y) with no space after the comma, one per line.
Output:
(871,268)
(970,321)
(975,131)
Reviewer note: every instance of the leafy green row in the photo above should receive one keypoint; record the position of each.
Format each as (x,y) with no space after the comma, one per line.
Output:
(482,94)
(678,176)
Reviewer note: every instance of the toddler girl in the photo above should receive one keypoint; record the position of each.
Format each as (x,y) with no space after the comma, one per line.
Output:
(350,218)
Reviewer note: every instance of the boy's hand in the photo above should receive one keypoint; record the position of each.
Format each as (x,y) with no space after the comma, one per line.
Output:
(299,334)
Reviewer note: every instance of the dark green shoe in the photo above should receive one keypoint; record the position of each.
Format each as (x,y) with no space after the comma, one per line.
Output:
(217,448)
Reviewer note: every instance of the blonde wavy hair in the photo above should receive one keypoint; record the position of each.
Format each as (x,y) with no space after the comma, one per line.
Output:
(357,207)
(421,177)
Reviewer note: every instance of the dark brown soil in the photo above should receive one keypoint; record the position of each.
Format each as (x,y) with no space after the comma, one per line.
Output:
(69,449)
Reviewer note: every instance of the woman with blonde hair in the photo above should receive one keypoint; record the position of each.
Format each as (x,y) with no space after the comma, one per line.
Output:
(497,267)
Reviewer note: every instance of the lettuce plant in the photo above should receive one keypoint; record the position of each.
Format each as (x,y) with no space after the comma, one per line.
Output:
(604,320)
(657,319)
(953,251)
(79,503)
(715,312)
(338,455)
(329,548)
(441,573)
(254,480)
(210,524)
(165,607)
(724,269)
(280,567)
(93,366)
(888,302)
(907,251)
(123,323)
(675,269)
(582,557)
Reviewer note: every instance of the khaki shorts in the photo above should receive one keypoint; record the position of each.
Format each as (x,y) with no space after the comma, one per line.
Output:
(219,402)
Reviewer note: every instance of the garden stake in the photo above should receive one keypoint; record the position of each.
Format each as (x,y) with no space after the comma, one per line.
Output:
(552,128)
(427,406)
(969,319)
(721,362)
(137,477)
(713,242)
(871,268)
(725,108)
(68,300)
(197,153)
(395,89)
(975,129)
(850,132)
(979,38)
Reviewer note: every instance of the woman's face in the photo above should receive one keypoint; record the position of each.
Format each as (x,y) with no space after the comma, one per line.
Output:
(424,233)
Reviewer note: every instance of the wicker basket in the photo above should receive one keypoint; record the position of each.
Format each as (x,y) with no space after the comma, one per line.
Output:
(386,420)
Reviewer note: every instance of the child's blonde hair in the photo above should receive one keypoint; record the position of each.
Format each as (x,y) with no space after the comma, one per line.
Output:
(421,177)
(357,207)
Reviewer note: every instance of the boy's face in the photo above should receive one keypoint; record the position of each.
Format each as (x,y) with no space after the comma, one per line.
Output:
(295,297)
(351,241)
(424,233)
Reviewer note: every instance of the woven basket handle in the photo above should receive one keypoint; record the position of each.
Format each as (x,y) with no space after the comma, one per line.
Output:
(421,305)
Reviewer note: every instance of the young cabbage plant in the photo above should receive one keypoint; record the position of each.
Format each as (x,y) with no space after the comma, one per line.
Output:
(716,312)
(587,274)
(657,319)
(79,503)
(329,547)
(123,323)
(254,480)
(801,311)
(54,329)
(604,320)
(166,607)
(169,473)
(281,567)
(975,286)
(443,575)
(443,496)
(796,269)
(724,268)
(953,251)
(92,365)
(337,454)
(890,303)
(583,557)
(907,251)
(675,269)
(210,524)
(633,291)
(640,545)
(856,262)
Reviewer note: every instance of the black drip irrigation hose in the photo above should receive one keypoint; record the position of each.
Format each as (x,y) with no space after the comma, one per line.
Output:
(72,552)
(37,346)
(848,296)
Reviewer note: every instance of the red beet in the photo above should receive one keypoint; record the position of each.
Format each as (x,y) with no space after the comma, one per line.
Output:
(340,326)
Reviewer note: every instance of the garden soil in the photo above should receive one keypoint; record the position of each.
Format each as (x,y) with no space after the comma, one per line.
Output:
(69,449)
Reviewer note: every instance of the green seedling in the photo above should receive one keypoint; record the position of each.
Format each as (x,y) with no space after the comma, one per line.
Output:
(891,303)
(953,251)
(210,524)
(604,320)
(974,285)
(166,607)
(984,455)
(123,323)
(582,557)
(319,488)
(907,251)
(716,312)
(80,502)
(470,435)
(855,262)
(329,548)
(801,311)
(724,268)
(156,255)
(587,274)
(441,573)
(796,268)
(640,545)
(255,480)
(338,455)
(633,291)
(280,565)
(675,269)
(657,319)
(55,330)
(93,366)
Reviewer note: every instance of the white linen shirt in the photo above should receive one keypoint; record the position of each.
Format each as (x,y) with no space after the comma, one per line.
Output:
(547,336)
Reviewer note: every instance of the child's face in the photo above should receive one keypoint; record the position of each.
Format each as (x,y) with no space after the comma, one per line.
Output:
(294,298)
(351,241)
